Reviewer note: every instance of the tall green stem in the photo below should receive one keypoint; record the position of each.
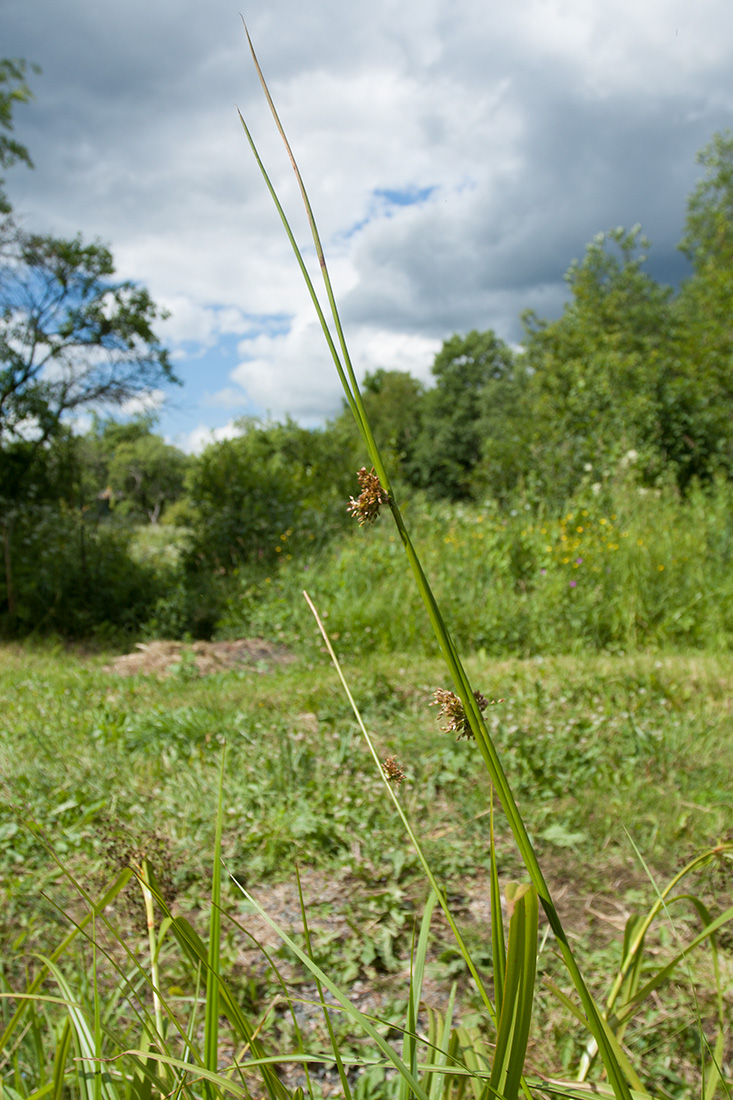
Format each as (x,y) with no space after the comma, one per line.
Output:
(458,675)
(153,947)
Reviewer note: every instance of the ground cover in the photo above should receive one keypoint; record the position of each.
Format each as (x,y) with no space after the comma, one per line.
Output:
(600,751)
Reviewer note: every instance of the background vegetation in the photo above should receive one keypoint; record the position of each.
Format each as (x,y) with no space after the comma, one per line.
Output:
(571,492)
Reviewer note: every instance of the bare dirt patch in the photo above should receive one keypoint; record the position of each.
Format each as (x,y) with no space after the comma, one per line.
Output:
(162,659)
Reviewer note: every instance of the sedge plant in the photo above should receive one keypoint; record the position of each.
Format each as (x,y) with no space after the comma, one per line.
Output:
(462,704)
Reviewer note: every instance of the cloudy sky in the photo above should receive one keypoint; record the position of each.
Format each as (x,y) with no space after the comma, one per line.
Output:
(458,154)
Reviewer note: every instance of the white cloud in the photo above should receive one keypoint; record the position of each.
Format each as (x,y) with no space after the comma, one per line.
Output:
(537,124)
(195,441)
(149,401)
(195,322)
(292,373)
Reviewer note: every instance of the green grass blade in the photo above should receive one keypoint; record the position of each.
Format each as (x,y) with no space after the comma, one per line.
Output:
(217,1081)
(409,1044)
(666,971)
(440,1052)
(351,387)
(498,947)
(306,276)
(106,899)
(198,955)
(59,1061)
(97,1019)
(458,675)
(89,1044)
(475,1062)
(655,909)
(440,893)
(226,1084)
(611,1039)
(196,950)
(211,1019)
(281,982)
(632,956)
(516,1008)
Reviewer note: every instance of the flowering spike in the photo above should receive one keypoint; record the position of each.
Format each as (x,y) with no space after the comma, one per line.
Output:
(451,708)
(366,507)
(393,771)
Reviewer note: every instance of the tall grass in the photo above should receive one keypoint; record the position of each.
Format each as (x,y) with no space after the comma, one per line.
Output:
(465,712)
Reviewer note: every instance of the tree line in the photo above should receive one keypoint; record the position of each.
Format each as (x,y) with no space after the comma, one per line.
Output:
(633,375)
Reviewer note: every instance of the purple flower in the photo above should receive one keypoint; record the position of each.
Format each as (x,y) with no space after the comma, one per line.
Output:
(573,584)
(543,571)
(578,561)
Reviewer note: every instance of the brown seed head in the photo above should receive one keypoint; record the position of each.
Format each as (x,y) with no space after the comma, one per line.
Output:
(371,498)
(451,709)
(393,771)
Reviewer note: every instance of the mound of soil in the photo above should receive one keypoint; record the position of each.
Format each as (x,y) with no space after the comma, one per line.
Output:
(164,658)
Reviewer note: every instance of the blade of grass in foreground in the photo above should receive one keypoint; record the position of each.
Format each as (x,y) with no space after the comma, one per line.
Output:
(211,1026)
(409,1046)
(326,1014)
(518,993)
(458,675)
(88,1042)
(106,899)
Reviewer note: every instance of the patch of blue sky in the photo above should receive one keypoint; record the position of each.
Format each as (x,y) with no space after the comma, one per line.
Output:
(384,203)
(406,196)
(208,394)
(267,324)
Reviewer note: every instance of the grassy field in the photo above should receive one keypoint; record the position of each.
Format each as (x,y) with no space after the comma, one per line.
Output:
(618,573)
(621,767)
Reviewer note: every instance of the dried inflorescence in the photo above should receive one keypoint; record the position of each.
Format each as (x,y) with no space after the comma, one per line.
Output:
(120,846)
(371,498)
(452,710)
(393,771)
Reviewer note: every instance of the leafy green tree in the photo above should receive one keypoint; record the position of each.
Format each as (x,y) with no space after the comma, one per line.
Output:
(594,375)
(505,430)
(70,337)
(146,474)
(702,404)
(448,444)
(273,491)
(13,90)
(630,366)
(392,400)
(66,569)
(708,238)
(70,334)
